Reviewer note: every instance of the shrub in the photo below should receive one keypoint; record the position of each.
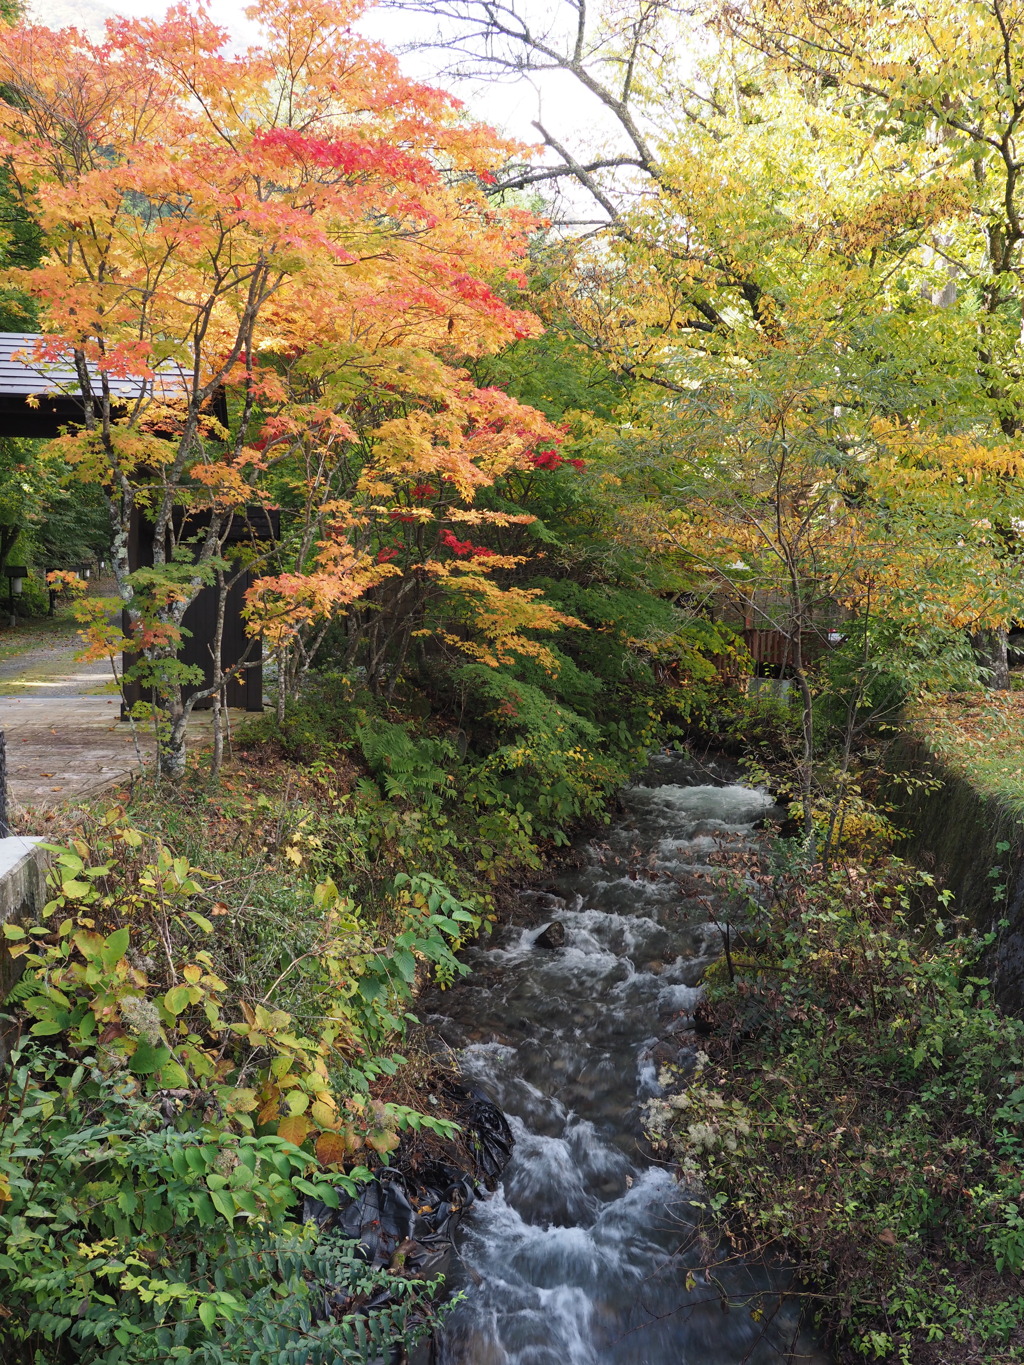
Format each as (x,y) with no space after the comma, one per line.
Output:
(134,1232)
(861,1107)
(125,967)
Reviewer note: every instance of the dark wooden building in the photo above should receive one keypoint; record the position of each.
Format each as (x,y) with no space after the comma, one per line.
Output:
(252,527)
(39,399)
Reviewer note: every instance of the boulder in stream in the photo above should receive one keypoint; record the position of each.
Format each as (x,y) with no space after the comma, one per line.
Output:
(551,936)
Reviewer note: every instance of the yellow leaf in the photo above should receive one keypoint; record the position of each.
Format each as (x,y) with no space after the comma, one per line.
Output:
(323,1115)
(271,1110)
(331,1149)
(295,1128)
(353,1140)
(382,1140)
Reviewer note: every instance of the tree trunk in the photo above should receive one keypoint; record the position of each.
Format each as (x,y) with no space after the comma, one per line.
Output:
(282,683)
(218,733)
(173,748)
(807,757)
(990,651)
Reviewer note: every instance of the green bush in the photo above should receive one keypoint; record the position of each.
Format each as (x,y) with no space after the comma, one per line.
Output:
(134,1232)
(861,1108)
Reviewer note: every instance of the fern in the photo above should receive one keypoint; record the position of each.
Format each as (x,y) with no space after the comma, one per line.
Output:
(409,769)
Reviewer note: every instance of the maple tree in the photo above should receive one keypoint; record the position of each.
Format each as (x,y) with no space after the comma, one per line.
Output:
(305,228)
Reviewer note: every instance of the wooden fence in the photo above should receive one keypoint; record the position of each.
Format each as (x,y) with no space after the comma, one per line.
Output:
(775,648)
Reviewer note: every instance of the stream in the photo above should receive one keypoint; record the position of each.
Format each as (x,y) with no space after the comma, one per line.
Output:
(582,1254)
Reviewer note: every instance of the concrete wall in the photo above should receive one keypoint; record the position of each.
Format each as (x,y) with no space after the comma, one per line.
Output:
(23,866)
(954,832)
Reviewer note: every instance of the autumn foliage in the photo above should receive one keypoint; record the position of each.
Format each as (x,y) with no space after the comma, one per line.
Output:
(302,227)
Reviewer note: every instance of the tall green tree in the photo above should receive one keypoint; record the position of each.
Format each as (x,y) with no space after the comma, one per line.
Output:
(816,413)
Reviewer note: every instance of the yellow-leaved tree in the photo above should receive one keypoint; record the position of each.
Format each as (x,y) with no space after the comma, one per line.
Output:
(822,420)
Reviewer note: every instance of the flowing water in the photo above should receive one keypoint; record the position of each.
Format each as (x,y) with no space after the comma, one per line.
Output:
(583,1253)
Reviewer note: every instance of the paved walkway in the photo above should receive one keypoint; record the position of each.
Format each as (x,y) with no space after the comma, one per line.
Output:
(53,671)
(61,720)
(60,749)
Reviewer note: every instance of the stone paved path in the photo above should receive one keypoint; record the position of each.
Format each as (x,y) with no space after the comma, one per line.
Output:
(61,720)
(60,749)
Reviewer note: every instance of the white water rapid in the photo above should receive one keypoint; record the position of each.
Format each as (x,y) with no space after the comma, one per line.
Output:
(581,1256)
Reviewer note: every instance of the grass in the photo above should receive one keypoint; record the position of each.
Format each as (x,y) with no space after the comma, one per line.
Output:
(981,737)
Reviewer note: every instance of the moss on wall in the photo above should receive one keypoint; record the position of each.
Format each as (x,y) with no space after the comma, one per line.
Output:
(954,831)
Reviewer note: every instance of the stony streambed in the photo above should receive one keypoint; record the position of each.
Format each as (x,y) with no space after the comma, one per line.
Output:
(588,1253)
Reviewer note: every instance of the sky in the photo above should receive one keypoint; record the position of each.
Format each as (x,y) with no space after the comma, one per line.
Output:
(575,117)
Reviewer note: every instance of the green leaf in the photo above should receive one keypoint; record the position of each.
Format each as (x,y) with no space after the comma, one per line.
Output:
(246,1201)
(203,1206)
(176,999)
(406,964)
(200,1158)
(207,1314)
(115,947)
(146,1058)
(127,1201)
(224,1204)
(174,1076)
